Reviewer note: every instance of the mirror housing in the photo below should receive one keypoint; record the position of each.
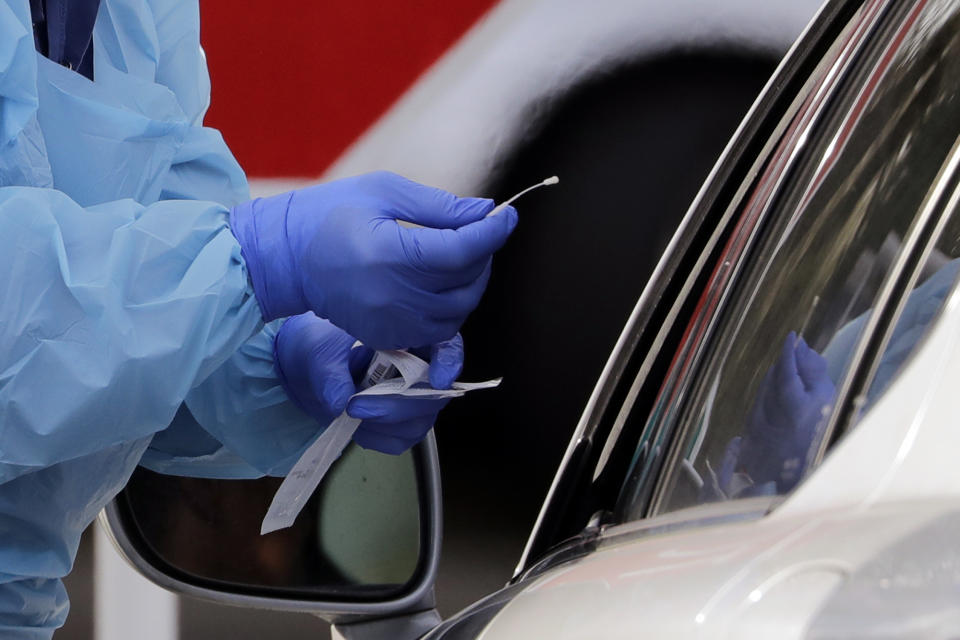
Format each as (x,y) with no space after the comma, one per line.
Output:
(413,600)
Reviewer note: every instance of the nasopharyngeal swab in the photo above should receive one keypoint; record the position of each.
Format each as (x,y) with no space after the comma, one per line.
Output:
(500,207)
(545,183)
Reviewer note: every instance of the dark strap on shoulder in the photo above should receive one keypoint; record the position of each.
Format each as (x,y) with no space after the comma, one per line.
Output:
(63,32)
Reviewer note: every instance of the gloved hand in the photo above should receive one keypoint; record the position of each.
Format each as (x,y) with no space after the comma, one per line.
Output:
(318,367)
(792,400)
(336,249)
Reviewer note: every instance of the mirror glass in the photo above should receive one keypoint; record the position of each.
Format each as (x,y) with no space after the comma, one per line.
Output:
(359,534)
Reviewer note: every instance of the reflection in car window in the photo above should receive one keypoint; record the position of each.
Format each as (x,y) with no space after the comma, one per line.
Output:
(786,337)
(922,306)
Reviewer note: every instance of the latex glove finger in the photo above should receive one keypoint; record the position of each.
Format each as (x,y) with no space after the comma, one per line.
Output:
(394,409)
(446,361)
(394,424)
(385,444)
(428,206)
(769,405)
(455,250)
(312,360)
(812,368)
(454,302)
(413,429)
(787,378)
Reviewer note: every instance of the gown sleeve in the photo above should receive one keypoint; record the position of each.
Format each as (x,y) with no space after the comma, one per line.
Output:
(237,422)
(111,314)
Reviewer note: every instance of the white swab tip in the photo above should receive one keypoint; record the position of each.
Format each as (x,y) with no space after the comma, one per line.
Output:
(549,181)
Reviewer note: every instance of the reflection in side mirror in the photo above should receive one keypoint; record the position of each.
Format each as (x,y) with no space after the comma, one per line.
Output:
(366,489)
(366,542)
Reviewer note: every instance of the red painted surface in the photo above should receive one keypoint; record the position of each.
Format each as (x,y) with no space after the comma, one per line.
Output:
(294,83)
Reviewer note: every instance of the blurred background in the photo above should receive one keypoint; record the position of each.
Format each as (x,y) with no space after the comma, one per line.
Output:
(630,102)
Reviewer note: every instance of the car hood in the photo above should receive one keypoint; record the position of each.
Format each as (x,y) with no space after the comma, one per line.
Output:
(794,577)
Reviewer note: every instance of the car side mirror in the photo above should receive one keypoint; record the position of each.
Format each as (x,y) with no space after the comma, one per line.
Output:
(365,547)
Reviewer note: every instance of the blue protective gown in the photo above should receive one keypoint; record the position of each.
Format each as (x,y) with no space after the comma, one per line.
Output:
(921,309)
(124,302)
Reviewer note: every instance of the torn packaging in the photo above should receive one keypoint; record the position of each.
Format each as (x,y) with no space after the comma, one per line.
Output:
(308,472)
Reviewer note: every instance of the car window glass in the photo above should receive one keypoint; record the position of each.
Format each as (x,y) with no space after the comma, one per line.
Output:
(785,340)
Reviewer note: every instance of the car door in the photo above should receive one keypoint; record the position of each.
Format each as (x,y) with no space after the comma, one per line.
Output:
(696,483)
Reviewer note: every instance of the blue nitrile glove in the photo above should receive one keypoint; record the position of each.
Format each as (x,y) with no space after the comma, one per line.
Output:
(318,365)
(790,404)
(336,249)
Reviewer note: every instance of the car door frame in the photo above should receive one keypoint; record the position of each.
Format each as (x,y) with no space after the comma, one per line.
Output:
(636,368)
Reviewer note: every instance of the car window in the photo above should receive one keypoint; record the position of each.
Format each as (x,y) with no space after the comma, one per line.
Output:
(755,406)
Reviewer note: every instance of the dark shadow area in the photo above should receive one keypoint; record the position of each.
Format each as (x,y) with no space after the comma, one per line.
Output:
(79,584)
(631,147)
(201,620)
